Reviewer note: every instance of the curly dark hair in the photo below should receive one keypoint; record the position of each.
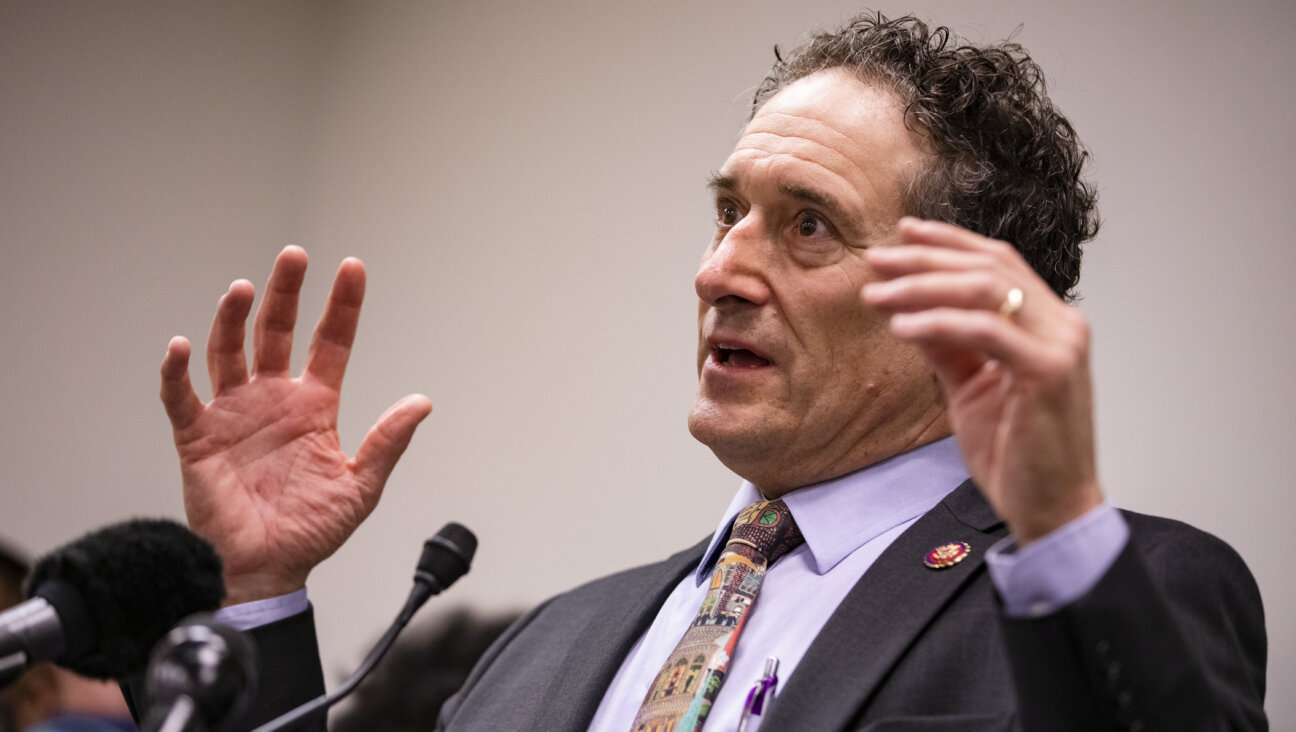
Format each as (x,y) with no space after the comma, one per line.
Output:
(1005,162)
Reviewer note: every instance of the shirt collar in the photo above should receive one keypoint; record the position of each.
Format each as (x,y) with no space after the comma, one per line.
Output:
(841,515)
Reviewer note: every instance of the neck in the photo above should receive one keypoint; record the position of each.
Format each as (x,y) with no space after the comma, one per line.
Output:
(779,479)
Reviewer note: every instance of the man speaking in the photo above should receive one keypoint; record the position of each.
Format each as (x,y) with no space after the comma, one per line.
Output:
(887,357)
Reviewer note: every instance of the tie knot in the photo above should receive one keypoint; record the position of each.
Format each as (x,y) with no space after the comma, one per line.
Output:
(768,528)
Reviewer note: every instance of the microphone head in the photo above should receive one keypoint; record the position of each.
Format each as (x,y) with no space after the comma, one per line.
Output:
(446,556)
(134,580)
(208,662)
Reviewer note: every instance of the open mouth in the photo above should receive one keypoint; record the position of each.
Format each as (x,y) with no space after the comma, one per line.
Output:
(740,358)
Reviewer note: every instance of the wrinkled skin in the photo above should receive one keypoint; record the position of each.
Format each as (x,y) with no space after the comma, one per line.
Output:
(265,479)
(1018,389)
(810,222)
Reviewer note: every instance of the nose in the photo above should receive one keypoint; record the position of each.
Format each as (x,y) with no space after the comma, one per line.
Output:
(733,269)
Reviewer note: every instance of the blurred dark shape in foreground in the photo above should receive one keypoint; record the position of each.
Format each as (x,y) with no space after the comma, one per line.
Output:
(425,667)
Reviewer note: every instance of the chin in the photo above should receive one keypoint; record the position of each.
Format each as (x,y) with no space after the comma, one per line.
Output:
(744,452)
(738,436)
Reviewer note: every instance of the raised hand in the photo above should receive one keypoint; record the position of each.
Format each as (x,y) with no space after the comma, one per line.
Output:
(265,479)
(1017,383)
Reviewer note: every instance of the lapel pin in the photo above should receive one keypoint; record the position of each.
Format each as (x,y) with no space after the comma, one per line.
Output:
(947,555)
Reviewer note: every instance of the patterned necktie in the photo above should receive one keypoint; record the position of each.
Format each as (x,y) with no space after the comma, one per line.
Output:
(681,696)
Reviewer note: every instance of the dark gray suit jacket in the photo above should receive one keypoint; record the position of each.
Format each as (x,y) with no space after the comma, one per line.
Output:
(1172,638)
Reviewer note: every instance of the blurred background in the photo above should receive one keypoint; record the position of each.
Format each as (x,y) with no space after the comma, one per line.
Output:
(526,183)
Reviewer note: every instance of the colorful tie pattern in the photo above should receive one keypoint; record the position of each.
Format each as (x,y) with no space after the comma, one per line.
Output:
(680,698)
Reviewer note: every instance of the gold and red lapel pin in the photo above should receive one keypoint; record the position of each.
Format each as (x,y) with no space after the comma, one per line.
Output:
(947,555)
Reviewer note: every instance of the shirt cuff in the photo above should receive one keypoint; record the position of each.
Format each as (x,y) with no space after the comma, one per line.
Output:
(1059,568)
(249,615)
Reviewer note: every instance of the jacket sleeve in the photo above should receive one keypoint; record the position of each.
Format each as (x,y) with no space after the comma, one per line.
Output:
(1172,637)
(288,673)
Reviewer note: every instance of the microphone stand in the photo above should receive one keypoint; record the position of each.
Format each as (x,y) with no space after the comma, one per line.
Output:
(375,655)
(445,558)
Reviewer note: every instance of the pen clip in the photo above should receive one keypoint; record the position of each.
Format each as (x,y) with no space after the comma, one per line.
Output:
(760,692)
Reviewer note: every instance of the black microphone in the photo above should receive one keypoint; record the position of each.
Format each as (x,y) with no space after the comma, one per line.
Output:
(446,557)
(100,603)
(201,678)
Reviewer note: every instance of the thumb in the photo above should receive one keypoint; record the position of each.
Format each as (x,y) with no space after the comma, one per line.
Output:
(387,439)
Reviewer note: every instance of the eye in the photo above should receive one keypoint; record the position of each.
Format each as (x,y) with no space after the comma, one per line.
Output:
(727,213)
(811,225)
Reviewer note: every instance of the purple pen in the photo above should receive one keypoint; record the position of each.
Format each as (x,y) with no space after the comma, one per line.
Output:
(760,691)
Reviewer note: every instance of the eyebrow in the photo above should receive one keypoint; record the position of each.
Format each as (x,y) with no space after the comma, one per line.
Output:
(818,198)
(724,182)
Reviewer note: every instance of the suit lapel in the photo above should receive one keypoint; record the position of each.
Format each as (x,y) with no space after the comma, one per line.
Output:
(883,615)
(617,624)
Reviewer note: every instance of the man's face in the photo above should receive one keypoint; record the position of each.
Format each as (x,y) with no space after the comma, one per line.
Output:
(798,381)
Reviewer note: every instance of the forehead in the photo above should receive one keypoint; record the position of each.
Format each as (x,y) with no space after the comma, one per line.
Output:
(830,129)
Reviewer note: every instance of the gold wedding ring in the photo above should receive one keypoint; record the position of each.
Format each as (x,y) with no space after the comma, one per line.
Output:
(1012,302)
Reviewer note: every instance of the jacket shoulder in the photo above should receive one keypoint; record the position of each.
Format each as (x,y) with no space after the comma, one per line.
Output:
(567,648)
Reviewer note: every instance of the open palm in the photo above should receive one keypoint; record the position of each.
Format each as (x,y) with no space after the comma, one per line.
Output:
(265,479)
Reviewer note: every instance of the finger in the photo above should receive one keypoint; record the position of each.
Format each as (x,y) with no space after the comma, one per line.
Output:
(225,361)
(906,259)
(331,345)
(976,330)
(914,276)
(387,439)
(977,289)
(948,236)
(182,405)
(272,335)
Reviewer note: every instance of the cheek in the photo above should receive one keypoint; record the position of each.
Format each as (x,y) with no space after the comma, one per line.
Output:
(861,349)
(839,334)
(896,369)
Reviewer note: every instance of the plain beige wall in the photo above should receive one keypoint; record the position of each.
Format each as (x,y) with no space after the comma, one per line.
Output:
(526,183)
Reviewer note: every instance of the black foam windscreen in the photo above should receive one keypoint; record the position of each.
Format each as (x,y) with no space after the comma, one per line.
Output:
(134,580)
(447,555)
